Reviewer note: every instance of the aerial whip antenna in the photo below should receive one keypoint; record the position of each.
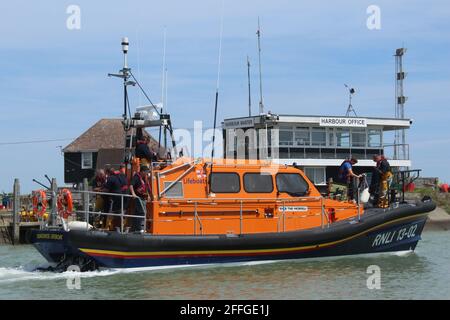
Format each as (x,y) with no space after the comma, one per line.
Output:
(249,89)
(261,104)
(217,89)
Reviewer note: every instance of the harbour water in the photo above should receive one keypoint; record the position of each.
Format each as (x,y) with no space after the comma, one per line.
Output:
(423,274)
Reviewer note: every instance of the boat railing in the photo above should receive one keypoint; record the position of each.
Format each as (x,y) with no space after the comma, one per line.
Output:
(281,218)
(198,220)
(87,196)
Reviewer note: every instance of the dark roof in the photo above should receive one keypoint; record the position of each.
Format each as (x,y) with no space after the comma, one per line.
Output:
(105,134)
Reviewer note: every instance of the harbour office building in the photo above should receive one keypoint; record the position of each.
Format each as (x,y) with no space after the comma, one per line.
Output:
(318,144)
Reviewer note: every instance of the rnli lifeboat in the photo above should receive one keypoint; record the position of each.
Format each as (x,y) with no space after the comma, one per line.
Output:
(238,212)
(219,211)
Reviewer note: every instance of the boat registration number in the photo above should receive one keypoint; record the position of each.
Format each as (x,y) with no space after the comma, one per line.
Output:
(388,237)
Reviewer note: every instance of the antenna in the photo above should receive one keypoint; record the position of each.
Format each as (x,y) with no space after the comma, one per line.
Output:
(249,89)
(261,104)
(400,100)
(351,92)
(163,80)
(125,74)
(217,90)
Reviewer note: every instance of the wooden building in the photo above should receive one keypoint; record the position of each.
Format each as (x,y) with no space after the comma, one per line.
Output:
(100,146)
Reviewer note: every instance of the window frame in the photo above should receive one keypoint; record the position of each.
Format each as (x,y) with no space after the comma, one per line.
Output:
(257,173)
(83,157)
(315,171)
(233,173)
(358,132)
(171,196)
(323,132)
(301,176)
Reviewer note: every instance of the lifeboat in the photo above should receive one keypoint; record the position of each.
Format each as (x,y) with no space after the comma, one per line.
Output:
(200,211)
(235,211)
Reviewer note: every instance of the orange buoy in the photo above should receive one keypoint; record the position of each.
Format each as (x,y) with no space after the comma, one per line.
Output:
(65,203)
(39,202)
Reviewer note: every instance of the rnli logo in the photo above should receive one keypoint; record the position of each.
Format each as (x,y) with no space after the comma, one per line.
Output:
(200,174)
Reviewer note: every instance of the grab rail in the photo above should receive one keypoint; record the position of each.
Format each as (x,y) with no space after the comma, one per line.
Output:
(86,202)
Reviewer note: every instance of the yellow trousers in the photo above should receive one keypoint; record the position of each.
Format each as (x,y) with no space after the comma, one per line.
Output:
(385,183)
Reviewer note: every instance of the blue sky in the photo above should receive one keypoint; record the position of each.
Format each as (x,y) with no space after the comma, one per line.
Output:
(54,83)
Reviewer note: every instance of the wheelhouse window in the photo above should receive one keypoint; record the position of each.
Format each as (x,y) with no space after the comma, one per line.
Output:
(86,160)
(258,183)
(225,182)
(318,136)
(292,183)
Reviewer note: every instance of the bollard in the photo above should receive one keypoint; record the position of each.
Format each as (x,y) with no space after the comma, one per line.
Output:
(86,200)
(16,212)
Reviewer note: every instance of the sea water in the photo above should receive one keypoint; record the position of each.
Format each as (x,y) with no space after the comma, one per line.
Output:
(423,274)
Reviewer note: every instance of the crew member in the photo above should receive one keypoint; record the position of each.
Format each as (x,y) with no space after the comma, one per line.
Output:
(346,175)
(144,153)
(116,183)
(383,169)
(140,189)
(98,184)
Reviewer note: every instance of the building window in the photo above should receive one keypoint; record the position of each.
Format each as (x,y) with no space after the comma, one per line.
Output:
(331,140)
(86,160)
(374,138)
(343,138)
(358,138)
(302,136)
(286,136)
(316,175)
(225,182)
(318,137)
(258,183)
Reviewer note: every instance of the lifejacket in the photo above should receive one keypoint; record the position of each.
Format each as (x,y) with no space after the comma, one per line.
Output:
(144,187)
(123,179)
(387,165)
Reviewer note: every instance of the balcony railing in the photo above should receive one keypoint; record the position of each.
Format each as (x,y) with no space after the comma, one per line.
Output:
(362,153)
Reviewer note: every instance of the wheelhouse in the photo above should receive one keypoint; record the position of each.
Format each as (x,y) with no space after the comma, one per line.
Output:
(236,197)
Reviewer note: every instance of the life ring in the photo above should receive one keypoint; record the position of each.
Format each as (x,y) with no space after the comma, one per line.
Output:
(64,203)
(39,202)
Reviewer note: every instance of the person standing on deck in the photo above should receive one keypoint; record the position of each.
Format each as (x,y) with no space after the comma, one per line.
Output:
(346,175)
(140,189)
(144,153)
(116,183)
(98,184)
(383,169)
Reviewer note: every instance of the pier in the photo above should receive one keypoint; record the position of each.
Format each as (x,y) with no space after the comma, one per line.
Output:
(13,229)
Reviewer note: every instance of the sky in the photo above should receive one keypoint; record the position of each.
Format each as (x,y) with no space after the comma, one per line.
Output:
(54,82)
